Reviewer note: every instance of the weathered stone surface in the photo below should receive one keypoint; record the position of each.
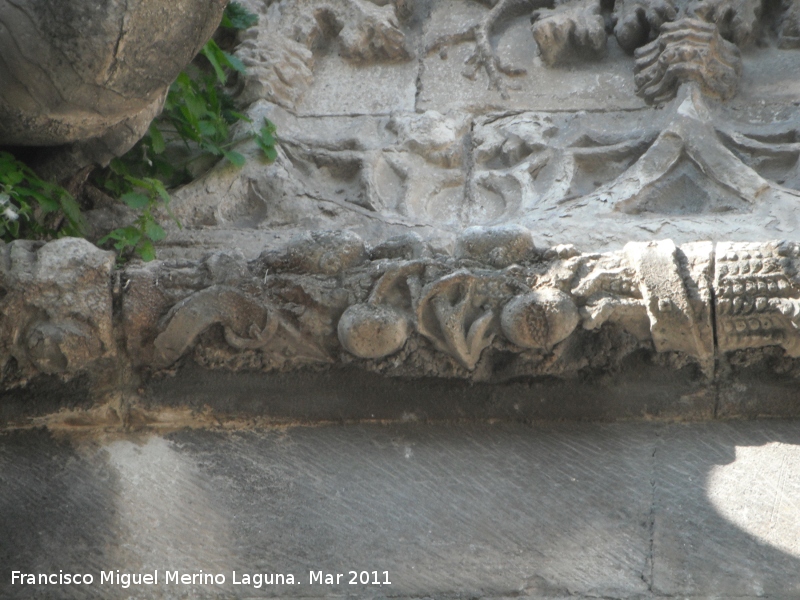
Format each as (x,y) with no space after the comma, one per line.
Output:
(310,55)
(497,310)
(496,246)
(500,511)
(539,319)
(687,50)
(755,304)
(369,331)
(75,71)
(639,21)
(394,232)
(56,308)
(598,180)
(724,522)
(570,31)
(318,252)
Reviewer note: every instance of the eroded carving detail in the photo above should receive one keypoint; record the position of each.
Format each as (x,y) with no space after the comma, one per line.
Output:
(570,31)
(687,50)
(674,42)
(682,164)
(55,307)
(280,56)
(463,312)
(757,301)
(790,25)
(654,291)
(540,320)
(640,21)
(536,313)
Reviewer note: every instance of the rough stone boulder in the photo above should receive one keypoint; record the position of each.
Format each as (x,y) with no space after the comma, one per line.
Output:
(76,70)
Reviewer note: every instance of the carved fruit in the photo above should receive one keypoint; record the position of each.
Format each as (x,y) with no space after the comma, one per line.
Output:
(539,319)
(372,331)
(498,246)
(321,252)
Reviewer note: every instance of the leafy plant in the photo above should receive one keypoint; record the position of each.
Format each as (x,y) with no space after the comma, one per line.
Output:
(266,140)
(144,195)
(198,113)
(238,17)
(33,208)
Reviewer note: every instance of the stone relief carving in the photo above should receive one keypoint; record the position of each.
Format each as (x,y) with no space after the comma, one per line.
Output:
(535,163)
(55,308)
(468,294)
(756,300)
(497,307)
(402,308)
(673,41)
(280,58)
(438,157)
(687,50)
(570,32)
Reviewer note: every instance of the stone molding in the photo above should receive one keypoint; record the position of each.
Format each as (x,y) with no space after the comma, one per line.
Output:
(497,308)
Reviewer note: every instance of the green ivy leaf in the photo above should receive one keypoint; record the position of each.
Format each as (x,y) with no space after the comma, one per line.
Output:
(159,189)
(13,177)
(207,129)
(197,106)
(154,231)
(234,63)
(125,237)
(270,153)
(156,139)
(216,57)
(234,157)
(146,250)
(73,212)
(266,138)
(135,200)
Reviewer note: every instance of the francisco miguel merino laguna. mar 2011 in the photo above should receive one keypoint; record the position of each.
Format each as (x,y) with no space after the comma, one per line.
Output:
(257,580)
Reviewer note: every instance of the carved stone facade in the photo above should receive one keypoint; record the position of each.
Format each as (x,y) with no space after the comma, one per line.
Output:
(498,308)
(488,190)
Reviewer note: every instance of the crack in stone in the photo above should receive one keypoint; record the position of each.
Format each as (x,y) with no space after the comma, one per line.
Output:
(648,578)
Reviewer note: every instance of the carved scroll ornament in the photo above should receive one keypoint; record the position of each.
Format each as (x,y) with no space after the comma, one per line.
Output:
(399,306)
(496,295)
